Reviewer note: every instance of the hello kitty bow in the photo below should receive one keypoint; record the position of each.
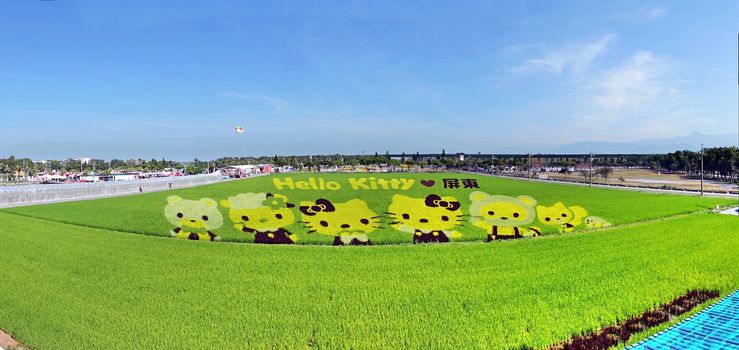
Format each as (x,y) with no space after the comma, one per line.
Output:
(276,201)
(321,205)
(434,201)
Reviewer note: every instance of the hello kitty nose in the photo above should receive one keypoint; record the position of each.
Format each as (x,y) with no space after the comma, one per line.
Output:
(345,226)
(423,220)
(263,220)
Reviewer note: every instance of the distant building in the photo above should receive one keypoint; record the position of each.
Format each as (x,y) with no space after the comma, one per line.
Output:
(90,178)
(247,170)
(124,177)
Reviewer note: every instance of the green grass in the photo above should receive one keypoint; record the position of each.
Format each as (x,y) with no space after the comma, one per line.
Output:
(144,213)
(72,278)
(71,287)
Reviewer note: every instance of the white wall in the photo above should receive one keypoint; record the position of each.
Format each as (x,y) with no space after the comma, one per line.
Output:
(27,194)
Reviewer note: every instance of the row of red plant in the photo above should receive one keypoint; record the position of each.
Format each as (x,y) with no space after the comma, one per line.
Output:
(622,331)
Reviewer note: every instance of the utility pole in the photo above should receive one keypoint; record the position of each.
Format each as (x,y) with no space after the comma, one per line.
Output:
(590,176)
(701,169)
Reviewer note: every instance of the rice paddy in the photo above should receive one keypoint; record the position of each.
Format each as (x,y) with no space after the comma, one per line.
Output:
(97,274)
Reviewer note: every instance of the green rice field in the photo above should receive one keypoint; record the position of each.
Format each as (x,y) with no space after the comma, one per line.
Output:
(104,274)
(145,213)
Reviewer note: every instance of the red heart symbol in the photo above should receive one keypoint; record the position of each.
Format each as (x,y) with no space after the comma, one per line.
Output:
(428,183)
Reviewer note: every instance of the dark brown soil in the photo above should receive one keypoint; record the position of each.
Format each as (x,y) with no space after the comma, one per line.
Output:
(622,331)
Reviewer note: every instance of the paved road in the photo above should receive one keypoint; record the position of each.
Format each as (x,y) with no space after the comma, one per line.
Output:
(638,189)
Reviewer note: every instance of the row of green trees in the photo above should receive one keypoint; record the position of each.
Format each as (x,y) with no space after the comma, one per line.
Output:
(311,162)
(720,162)
(12,166)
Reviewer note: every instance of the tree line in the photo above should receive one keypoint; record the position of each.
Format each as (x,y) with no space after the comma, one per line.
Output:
(13,166)
(718,162)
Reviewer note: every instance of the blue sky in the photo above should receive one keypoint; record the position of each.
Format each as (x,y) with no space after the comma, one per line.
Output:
(172,78)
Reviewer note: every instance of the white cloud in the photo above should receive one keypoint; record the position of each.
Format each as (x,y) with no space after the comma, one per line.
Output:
(277,103)
(637,85)
(574,56)
(654,13)
(642,97)
(631,16)
(638,96)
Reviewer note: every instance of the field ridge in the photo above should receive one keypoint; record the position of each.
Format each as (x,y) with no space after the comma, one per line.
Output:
(30,216)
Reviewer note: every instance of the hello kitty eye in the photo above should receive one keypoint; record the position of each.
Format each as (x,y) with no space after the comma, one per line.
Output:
(491,213)
(179,215)
(364,221)
(564,215)
(245,218)
(205,218)
(324,223)
(444,218)
(279,216)
(406,216)
(515,215)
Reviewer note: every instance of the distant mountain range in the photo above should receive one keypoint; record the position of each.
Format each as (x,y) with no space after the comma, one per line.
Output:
(690,142)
